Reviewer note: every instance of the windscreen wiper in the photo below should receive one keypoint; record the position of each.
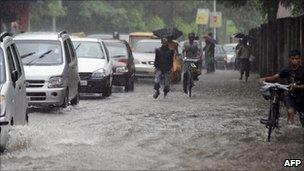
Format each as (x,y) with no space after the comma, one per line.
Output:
(27,55)
(77,46)
(41,56)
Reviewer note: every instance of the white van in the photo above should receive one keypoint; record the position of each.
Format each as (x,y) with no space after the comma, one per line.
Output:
(51,68)
(13,102)
(95,66)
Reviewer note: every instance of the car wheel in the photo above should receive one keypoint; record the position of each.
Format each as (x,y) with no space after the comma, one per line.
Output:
(75,100)
(66,99)
(26,117)
(108,91)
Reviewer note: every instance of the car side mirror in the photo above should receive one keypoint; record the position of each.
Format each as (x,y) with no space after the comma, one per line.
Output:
(14,76)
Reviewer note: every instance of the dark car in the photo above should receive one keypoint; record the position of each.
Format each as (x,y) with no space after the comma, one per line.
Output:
(220,57)
(123,66)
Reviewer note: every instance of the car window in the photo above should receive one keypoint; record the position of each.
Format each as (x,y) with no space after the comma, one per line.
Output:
(11,63)
(107,51)
(88,50)
(16,59)
(117,50)
(146,47)
(67,51)
(2,67)
(72,49)
(31,50)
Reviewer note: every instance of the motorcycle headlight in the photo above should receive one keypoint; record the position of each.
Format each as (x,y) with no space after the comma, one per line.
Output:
(55,82)
(99,73)
(121,69)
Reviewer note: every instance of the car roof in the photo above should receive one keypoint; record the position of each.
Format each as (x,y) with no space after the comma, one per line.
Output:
(38,36)
(85,39)
(230,44)
(149,40)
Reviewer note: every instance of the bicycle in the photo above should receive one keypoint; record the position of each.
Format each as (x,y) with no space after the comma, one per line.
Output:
(273,92)
(189,68)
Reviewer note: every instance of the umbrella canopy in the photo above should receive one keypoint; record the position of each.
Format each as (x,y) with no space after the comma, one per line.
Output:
(243,36)
(169,33)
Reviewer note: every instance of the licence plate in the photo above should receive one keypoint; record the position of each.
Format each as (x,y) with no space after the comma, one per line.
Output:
(83,83)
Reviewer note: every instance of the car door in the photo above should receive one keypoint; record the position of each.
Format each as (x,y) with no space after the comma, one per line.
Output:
(12,93)
(109,66)
(70,78)
(74,67)
(20,100)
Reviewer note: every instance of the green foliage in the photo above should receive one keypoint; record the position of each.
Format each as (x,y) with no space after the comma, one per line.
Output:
(55,9)
(185,27)
(155,23)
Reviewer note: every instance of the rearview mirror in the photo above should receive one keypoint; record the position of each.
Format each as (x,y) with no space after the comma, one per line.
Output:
(14,76)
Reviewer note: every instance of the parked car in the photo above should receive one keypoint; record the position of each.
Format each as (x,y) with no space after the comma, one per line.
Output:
(51,68)
(144,55)
(134,37)
(95,66)
(123,66)
(231,54)
(220,57)
(13,102)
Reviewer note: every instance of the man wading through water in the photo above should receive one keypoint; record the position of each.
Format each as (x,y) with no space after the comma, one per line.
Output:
(163,63)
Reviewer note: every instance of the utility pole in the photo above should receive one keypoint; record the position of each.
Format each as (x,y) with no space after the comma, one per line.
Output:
(214,10)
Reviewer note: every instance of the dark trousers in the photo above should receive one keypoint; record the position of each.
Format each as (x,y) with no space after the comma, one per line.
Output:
(244,66)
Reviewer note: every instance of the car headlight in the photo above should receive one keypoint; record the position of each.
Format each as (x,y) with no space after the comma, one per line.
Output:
(121,69)
(2,101)
(55,82)
(99,73)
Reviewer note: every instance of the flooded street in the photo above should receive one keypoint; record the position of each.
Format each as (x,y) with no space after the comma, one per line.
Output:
(217,128)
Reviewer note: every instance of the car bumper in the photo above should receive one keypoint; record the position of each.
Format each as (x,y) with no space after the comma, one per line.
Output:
(144,70)
(120,79)
(45,97)
(93,85)
(4,129)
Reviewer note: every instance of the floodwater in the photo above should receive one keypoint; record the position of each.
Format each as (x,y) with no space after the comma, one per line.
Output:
(217,128)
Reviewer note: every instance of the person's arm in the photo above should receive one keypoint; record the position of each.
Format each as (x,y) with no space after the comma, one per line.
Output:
(294,87)
(156,59)
(269,79)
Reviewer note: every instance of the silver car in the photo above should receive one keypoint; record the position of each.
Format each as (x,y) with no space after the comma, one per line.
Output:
(51,68)
(13,102)
(95,66)
(144,55)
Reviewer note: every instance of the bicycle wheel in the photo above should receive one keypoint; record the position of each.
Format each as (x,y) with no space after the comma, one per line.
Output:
(189,84)
(271,121)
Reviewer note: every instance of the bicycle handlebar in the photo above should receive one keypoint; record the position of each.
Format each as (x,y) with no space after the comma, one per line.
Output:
(267,85)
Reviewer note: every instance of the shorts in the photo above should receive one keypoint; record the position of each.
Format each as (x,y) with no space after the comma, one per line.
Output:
(291,102)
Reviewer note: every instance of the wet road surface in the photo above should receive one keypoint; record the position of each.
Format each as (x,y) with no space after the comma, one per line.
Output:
(218,128)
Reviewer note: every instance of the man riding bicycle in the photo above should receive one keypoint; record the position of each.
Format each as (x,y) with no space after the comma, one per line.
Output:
(294,74)
(192,49)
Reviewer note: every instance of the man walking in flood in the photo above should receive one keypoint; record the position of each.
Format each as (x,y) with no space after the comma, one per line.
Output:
(163,63)
(243,57)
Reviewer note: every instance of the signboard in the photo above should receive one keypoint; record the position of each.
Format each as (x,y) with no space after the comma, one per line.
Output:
(215,19)
(202,16)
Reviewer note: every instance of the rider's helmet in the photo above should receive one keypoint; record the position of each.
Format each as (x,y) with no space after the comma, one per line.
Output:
(191,36)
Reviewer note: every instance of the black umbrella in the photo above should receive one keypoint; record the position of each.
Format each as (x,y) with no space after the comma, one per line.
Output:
(169,33)
(243,36)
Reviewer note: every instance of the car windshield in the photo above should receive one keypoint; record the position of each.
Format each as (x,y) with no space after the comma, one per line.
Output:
(117,50)
(229,48)
(146,47)
(2,67)
(88,50)
(37,52)
(219,49)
